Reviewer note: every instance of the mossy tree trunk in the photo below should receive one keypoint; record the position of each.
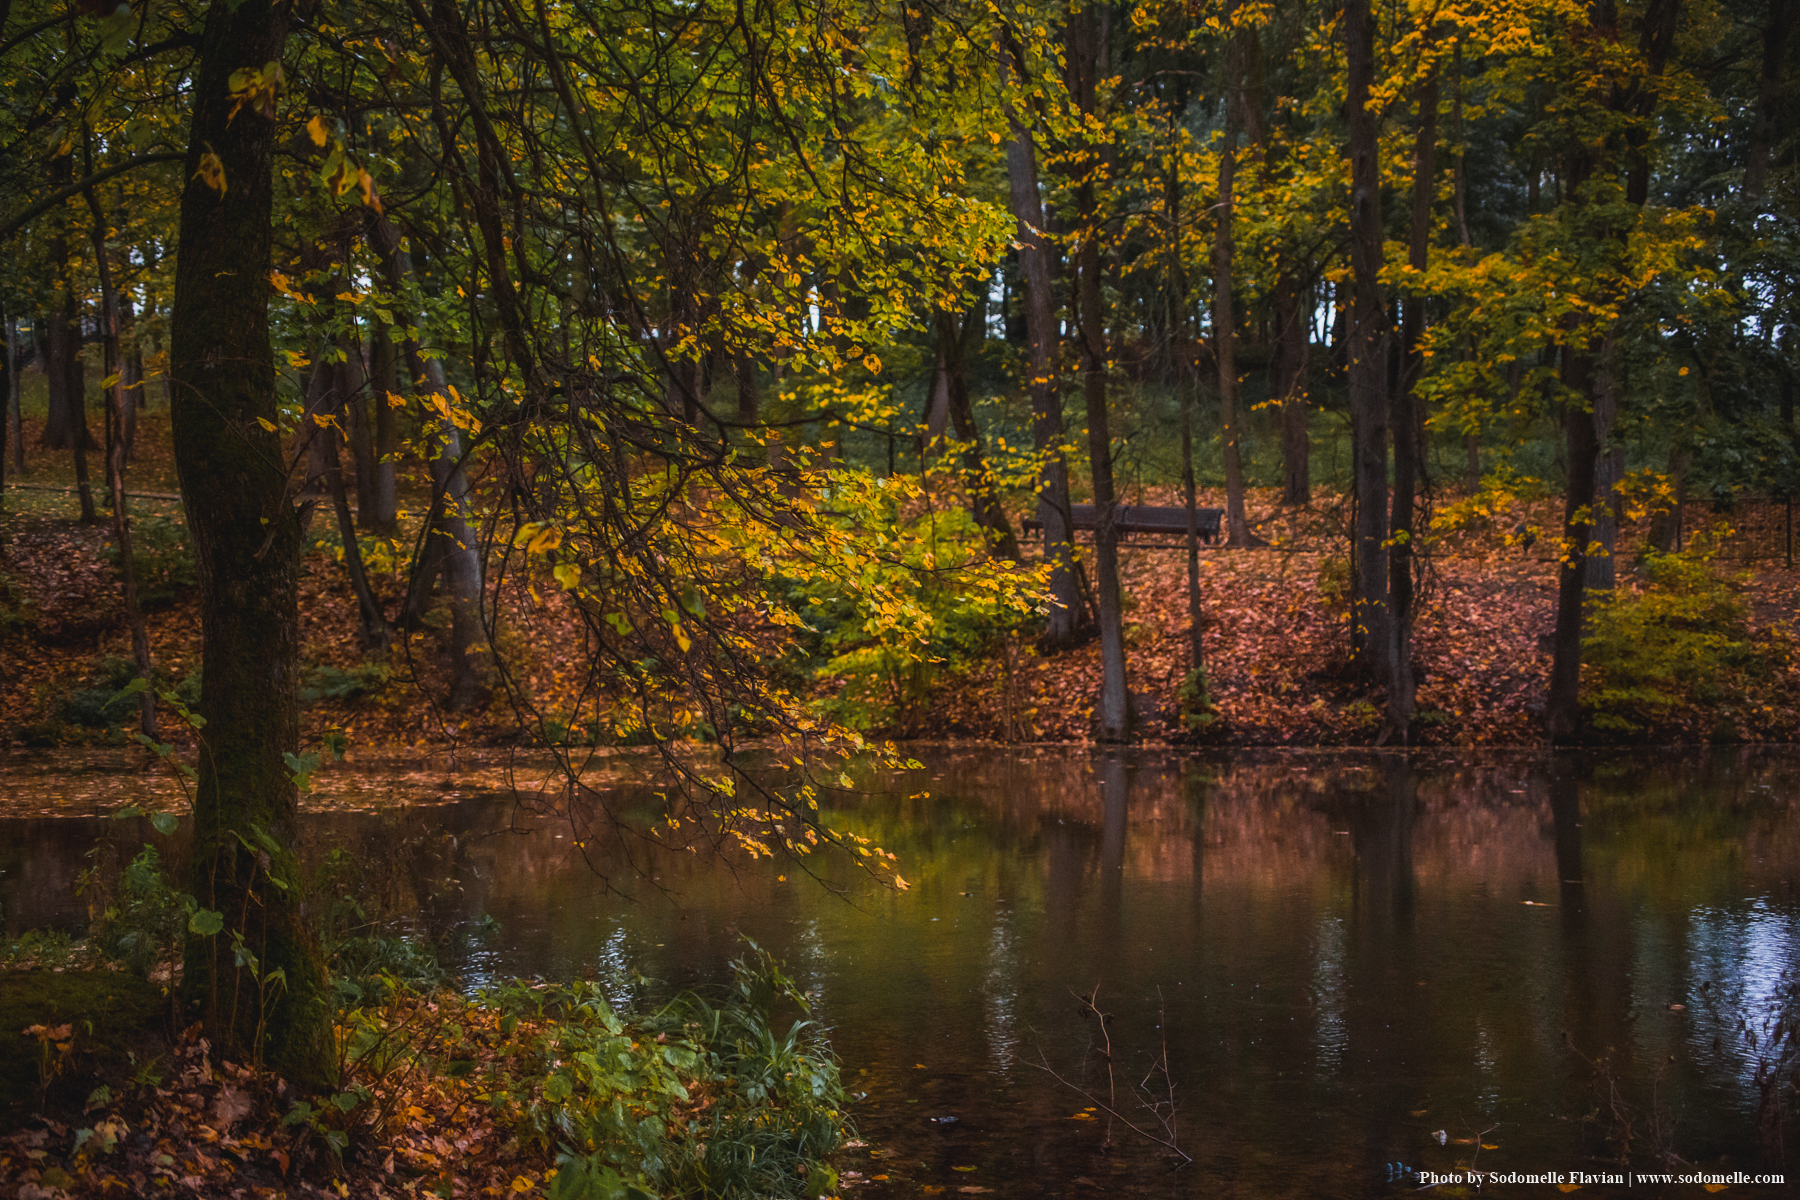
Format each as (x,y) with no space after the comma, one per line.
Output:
(247,546)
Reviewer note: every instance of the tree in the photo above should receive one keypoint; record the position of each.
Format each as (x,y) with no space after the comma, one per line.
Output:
(1113,712)
(260,979)
(1371,628)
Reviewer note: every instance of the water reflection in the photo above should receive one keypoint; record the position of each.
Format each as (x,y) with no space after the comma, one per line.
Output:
(1344,953)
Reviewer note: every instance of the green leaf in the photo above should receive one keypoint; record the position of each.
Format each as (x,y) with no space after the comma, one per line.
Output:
(205,922)
(165,823)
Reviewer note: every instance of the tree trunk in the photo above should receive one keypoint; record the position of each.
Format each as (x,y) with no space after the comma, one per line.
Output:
(1036,268)
(449,548)
(118,417)
(984,501)
(384,395)
(131,370)
(358,432)
(7,370)
(343,381)
(1768,97)
(1408,446)
(247,547)
(65,420)
(1113,722)
(1370,636)
(1608,464)
(1237,525)
(1562,709)
(1196,612)
(1293,338)
(14,415)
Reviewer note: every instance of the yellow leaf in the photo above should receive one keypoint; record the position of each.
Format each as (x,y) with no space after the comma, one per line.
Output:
(316,127)
(212,172)
(266,424)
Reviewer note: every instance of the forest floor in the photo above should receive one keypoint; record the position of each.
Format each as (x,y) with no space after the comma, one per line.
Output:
(1275,636)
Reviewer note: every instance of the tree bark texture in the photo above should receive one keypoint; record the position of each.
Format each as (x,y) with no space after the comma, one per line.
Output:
(1370,636)
(247,548)
(1113,715)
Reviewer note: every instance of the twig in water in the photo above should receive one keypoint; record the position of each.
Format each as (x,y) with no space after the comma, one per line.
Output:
(1163,1111)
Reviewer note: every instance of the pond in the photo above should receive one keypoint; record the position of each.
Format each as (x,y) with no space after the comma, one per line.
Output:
(1352,964)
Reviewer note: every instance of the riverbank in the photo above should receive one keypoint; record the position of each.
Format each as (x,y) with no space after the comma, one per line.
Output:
(1276,639)
(524,1090)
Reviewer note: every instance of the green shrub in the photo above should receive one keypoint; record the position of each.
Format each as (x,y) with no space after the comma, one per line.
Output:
(334,683)
(146,924)
(1678,640)
(721,1103)
(97,703)
(1195,702)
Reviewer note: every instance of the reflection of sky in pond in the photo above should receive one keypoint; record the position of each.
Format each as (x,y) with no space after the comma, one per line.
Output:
(1330,1034)
(998,998)
(814,967)
(1487,1065)
(1749,956)
(614,970)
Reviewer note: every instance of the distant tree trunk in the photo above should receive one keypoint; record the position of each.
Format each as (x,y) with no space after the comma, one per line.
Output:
(984,501)
(1293,339)
(1370,635)
(359,431)
(118,415)
(1114,711)
(1237,525)
(14,415)
(131,370)
(247,546)
(1768,97)
(7,370)
(65,419)
(344,382)
(1196,612)
(1408,445)
(1068,614)
(1562,709)
(448,546)
(383,394)
(1608,464)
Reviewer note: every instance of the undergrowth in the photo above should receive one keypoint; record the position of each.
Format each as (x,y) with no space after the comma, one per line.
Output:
(1676,640)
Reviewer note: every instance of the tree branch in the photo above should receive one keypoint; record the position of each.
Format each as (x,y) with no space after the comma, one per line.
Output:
(18,221)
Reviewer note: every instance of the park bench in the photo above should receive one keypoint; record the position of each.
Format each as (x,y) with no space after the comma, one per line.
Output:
(1152,519)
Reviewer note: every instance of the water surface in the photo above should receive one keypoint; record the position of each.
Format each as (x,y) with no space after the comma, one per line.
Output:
(1349,960)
